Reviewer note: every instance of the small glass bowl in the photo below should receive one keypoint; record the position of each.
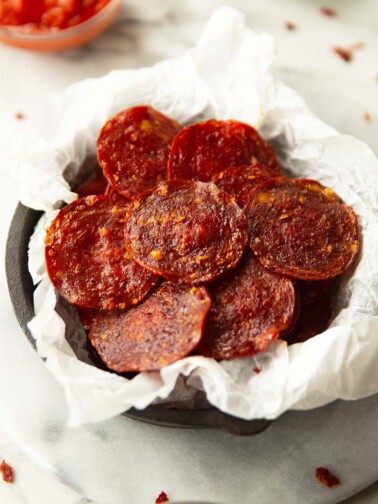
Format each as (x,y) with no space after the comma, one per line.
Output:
(56,40)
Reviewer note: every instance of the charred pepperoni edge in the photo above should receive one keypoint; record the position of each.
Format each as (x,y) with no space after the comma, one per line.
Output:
(237,179)
(293,271)
(223,315)
(59,233)
(296,312)
(312,291)
(198,143)
(155,265)
(153,158)
(181,312)
(313,320)
(86,316)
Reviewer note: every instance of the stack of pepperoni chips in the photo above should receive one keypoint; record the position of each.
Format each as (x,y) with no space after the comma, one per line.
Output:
(192,242)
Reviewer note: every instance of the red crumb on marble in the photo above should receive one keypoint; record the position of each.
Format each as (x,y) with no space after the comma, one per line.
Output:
(290,26)
(7,472)
(327,11)
(325,476)
(163,497)
(345,54)
(257,370)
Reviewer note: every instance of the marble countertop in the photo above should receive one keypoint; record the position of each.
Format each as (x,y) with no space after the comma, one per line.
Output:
(342,94)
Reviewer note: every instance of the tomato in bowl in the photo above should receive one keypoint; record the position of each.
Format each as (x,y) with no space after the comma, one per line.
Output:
(52,25)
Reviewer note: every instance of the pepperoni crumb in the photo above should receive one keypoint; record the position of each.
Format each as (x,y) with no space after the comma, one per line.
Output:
(367,117)
(325,476)
(290,26)
(345,54)
(20,116)
(7,472)
(163,497)
(357,45)
(327,11)
(257,370)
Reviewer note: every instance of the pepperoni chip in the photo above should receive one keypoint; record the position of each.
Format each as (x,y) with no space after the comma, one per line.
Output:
(162,329)
(239,181)
(250,306)
(86,258)
(133,149)
(188,232)
(203,149)
(299,228)
(313,319)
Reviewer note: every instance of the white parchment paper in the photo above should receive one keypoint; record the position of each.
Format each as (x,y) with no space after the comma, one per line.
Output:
(226,75)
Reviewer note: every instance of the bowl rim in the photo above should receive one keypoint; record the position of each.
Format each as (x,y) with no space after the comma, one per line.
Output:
(21,289)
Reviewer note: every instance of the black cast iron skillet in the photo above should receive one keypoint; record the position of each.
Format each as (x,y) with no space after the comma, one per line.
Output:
(21,290)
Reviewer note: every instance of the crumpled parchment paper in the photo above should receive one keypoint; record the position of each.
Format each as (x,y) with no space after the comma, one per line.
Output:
(226,75)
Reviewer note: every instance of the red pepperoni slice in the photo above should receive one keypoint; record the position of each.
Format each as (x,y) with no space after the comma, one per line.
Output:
(188,232)
(86,258)
(133,149)
(313,319)
(201,150)
(250,306)
(239,181)
(162,329)
(301,229)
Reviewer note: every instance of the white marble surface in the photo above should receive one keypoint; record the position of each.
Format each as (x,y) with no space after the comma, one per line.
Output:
(31,404)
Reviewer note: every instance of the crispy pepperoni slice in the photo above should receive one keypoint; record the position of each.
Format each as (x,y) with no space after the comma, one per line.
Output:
(299,228)
(313,319)
(250,306)
(162,329)
(86,258)
(133,149)
(189,232)
(203,149)
(240,180)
